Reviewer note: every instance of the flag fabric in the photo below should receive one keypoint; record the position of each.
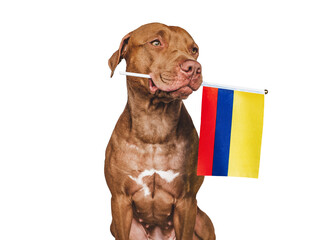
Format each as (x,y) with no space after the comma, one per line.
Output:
(230,133)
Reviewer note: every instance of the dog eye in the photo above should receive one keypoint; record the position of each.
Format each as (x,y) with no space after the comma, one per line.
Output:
(156,43)
(195,50)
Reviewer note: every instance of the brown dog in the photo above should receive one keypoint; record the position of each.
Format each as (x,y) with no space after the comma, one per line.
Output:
(151,158)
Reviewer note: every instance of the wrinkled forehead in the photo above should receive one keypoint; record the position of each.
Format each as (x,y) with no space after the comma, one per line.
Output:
(149,32)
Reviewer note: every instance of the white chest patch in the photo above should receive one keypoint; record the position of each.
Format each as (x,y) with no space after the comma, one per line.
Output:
(168,176)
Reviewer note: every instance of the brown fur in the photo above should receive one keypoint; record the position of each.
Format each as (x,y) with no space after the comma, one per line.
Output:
(155,136)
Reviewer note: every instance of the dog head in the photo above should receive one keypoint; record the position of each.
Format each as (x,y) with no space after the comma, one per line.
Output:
(168,54)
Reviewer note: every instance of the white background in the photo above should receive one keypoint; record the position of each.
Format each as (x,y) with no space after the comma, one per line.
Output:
(58,108)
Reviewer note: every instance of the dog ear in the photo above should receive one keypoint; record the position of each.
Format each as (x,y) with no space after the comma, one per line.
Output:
(119,54)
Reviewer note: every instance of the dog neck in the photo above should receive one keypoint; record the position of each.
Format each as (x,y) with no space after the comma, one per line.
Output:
(152,119)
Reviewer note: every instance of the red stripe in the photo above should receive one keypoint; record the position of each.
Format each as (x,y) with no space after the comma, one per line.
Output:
(207,130)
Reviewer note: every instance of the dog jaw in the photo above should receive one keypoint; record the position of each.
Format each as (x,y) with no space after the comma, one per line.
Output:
(177,87)
(152,87)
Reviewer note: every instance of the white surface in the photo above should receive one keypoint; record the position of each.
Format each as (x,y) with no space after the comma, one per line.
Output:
(58,108)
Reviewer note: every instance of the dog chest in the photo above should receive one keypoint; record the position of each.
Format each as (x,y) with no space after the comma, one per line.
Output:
(150,180)
(154,193)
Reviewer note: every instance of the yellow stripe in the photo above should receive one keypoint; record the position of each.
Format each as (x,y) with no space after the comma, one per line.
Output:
(246,134)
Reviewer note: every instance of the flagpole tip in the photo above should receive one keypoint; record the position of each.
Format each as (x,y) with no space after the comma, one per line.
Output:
(266,91)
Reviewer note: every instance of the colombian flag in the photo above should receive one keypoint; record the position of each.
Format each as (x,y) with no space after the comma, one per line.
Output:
(230,133)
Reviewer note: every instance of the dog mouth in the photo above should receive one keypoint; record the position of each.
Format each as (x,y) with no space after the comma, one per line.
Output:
(176,89)
(152,87)
(181,92)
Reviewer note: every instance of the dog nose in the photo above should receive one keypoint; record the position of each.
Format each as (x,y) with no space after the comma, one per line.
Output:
(191,67)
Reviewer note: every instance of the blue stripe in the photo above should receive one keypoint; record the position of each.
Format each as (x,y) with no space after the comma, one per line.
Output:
(223,133)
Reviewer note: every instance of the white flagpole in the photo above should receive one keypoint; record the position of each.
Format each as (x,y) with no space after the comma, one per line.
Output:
(135,74)
(205,84)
